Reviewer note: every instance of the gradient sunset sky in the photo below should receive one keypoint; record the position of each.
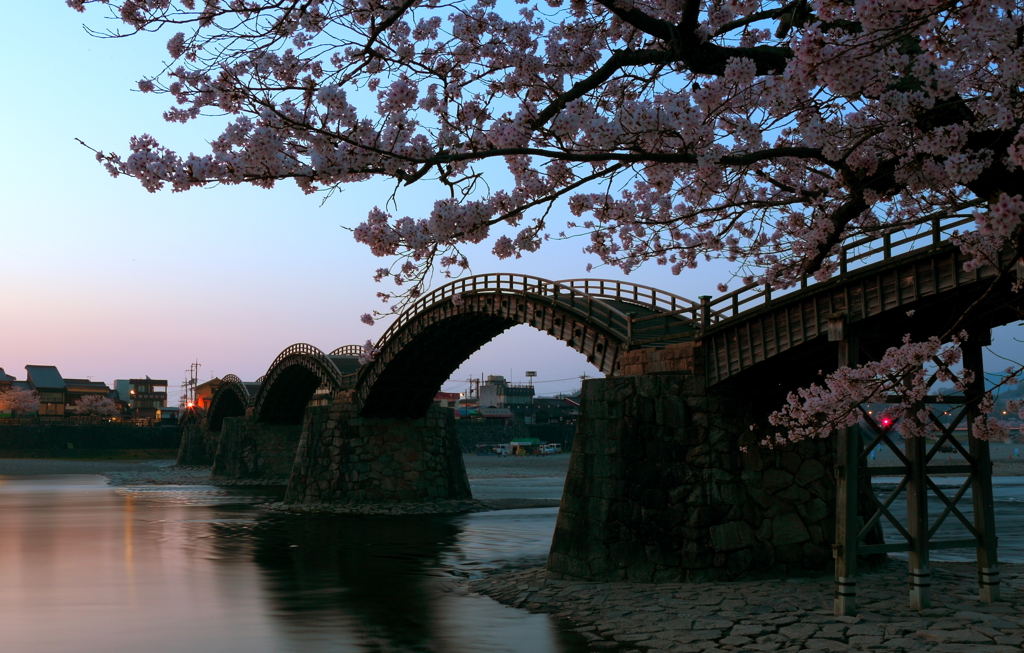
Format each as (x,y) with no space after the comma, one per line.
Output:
(106,280)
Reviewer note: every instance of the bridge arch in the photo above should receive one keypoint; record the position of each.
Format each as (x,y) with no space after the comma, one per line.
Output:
(348,350)
(296,377)
(598,318)
(231,399)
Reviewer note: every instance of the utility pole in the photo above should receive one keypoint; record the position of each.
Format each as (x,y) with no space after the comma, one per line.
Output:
(190,384)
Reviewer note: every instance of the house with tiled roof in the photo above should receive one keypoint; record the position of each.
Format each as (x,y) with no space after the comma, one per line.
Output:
(49,384)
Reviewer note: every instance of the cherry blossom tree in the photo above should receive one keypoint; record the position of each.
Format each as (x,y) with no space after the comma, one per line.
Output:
(96,405)
(17,400)
(673,131)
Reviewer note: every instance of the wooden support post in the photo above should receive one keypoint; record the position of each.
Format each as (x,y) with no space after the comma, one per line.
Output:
(917,525)
(981,492)
(848,447)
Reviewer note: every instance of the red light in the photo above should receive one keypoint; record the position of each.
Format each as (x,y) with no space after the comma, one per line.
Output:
(886,421)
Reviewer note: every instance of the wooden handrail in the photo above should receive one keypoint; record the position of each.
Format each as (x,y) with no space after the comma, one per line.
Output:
(732,303)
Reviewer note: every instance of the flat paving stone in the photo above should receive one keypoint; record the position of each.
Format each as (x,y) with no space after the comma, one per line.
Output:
(964,636)
(742,616)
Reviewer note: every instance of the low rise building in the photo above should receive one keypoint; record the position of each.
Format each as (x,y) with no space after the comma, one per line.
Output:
(499,393)
(205,392)
(144,396)
(49,385)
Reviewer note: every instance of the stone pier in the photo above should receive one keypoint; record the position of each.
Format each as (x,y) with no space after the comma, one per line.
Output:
(253,450)
(346,458)
(668,483)
(198,445)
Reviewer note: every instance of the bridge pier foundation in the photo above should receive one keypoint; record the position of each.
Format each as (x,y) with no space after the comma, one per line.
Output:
(343,457)
(198,445)
(667,483)
(254,450)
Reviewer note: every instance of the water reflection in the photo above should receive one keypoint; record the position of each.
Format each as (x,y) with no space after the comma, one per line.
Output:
(325,570)
(85,568)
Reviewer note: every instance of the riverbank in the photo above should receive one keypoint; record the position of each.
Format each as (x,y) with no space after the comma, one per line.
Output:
(58,466)
(1004,461)
(785,616)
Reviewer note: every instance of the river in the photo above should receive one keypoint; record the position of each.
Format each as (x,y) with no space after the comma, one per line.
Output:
(87,568)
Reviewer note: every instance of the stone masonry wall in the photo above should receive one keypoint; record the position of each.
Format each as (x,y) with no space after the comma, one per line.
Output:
(346,458)
(673,359)
(59,435)
(250,450)
(198,445)
(658,489)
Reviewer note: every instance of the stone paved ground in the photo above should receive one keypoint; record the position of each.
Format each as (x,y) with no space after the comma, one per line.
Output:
(783,616)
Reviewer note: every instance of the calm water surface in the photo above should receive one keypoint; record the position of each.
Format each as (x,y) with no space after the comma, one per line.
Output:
(1008,501)
(87,568)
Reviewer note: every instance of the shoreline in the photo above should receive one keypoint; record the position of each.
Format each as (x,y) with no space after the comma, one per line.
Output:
(781,615)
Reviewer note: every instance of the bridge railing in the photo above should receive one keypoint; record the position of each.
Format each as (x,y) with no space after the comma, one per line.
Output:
(347,350)
(632,293)
(231,378)
(563,294)
(304,349)
(855,254)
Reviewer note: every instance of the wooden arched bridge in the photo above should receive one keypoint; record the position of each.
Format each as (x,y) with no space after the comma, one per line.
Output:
(911,282)
(345,431)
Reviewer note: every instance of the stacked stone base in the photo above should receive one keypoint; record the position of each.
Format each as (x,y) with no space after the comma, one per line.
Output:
(252,450)
(668,483)
(198,445)
(346,458)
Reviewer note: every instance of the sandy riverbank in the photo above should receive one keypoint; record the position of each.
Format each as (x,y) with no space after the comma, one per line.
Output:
(784,616)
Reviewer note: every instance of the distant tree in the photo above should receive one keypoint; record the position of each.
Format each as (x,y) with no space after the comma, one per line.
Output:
(766,133)
(19,400)
(96,405)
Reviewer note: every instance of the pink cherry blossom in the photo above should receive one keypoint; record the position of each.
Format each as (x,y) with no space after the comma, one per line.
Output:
(764,133)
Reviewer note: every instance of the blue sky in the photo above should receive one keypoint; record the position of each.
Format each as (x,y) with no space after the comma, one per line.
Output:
(109,281)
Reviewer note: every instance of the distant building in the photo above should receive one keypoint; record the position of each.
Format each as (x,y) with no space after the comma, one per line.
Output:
(144,396)
(168,415)
(447,399)
(555,410)
(205,392)
(496,413)
(49,385)
(58,395)
(75,389)
(498,393)
(6,381)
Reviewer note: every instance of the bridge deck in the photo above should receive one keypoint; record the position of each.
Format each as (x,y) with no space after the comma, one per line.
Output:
(753,336)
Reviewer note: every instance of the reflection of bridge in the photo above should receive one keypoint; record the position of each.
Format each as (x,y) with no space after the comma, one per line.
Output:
(682,374)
